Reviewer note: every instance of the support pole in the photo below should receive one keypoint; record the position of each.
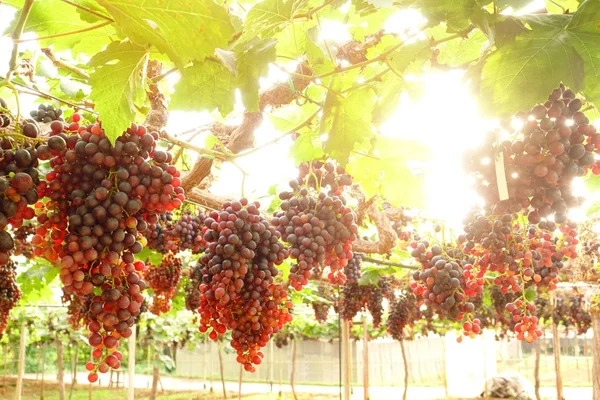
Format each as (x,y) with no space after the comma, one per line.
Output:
(556,346)
(346,358)
(365,360)
(131,367)
(538,350)
(596,354)
(21,370)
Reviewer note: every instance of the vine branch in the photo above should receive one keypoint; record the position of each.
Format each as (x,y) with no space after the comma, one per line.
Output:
(390,263)
(62,34)
(61,64)
(88,10)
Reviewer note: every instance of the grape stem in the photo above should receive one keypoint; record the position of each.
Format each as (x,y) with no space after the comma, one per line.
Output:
(295,129)
(200,150)
(391,263)
(44,95)
(88,10)
(311,11)
(62,34)
(61,64)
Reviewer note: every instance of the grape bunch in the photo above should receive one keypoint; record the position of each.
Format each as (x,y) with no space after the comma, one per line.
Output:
(192,289)
(100,198)
(579,315)
(188,232)
(4,117)
(157,232)
(401,221)
(77,307)
(47,113)
(19,180)
(440,282)
(321,308)
(22,237)
(319,227)
(403,314)
(238,292)
(555,143)
(9,292)
(163,279)
(352,269)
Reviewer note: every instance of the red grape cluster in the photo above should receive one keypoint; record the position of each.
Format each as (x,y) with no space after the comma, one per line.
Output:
(238,290)
(188,232)
(401,221)
(192,289)
(9,292)
(47,113)
(441,283)
(19,180)
(319,227)
(404,311)
(77,308)
(352,269)
(157,232)
(555,144)
(163,279)
(321,308)
(22,237)
(101,197)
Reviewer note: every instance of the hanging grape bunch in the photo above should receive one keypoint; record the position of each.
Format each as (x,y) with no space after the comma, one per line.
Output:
(321,308)
(4,116)
(188,232)
(22,237)
(238,292)
(158,232)
(47,113)
(192,289)
(163,279)
(19,180)
(9,292)
(316,223)
(101,197)
(401,221)
(403,313)
(555,143)
(579,313)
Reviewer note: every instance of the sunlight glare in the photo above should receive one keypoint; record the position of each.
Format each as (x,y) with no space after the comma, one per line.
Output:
(446,119)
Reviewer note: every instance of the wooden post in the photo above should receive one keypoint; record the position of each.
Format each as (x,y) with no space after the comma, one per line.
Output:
(90,384)
(346,358)
(43,369)
(131,367)
(204,361)
(536,372)
(37,367)
(60,365)
(271,364)
(221,370)
(596,354)
(155,378)
(293,370)
(21,369)
(240,382)
(365,360)
(405,370)
(556,346)
(74,369)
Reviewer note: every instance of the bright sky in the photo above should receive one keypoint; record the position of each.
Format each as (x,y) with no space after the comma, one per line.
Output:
(451,113)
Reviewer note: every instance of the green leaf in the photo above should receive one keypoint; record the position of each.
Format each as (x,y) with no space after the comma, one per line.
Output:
(592,183)
(318,62)
(462,50)
(116,86)
(91,5)
(205,86)
(268,17)
(34,282)
(584,31)
(593,209)
(387,171)
(253,62)
(49,17)
(347,121)
(388,91)
(456,13)
(530,293)
(228,59)
(149,255)
(567,5)
(291,41)
(308,146)
(185,30)
(284,119)
(406,55)
(537,60)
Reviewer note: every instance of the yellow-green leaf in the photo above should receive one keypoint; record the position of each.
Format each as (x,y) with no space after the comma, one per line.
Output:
(117,82)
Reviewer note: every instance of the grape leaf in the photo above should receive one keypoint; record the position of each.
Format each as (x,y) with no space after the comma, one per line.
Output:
(461,50)
(268,17)
(48,17)
(148,255)
(584,33)
(456,13)
(537,60)
(185,30)
(386,171)
(347,121)
(116,86)
(253,62)
(570,5)
(291,41)
(205,86)
(90,5)
(308,146)
(388,97)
